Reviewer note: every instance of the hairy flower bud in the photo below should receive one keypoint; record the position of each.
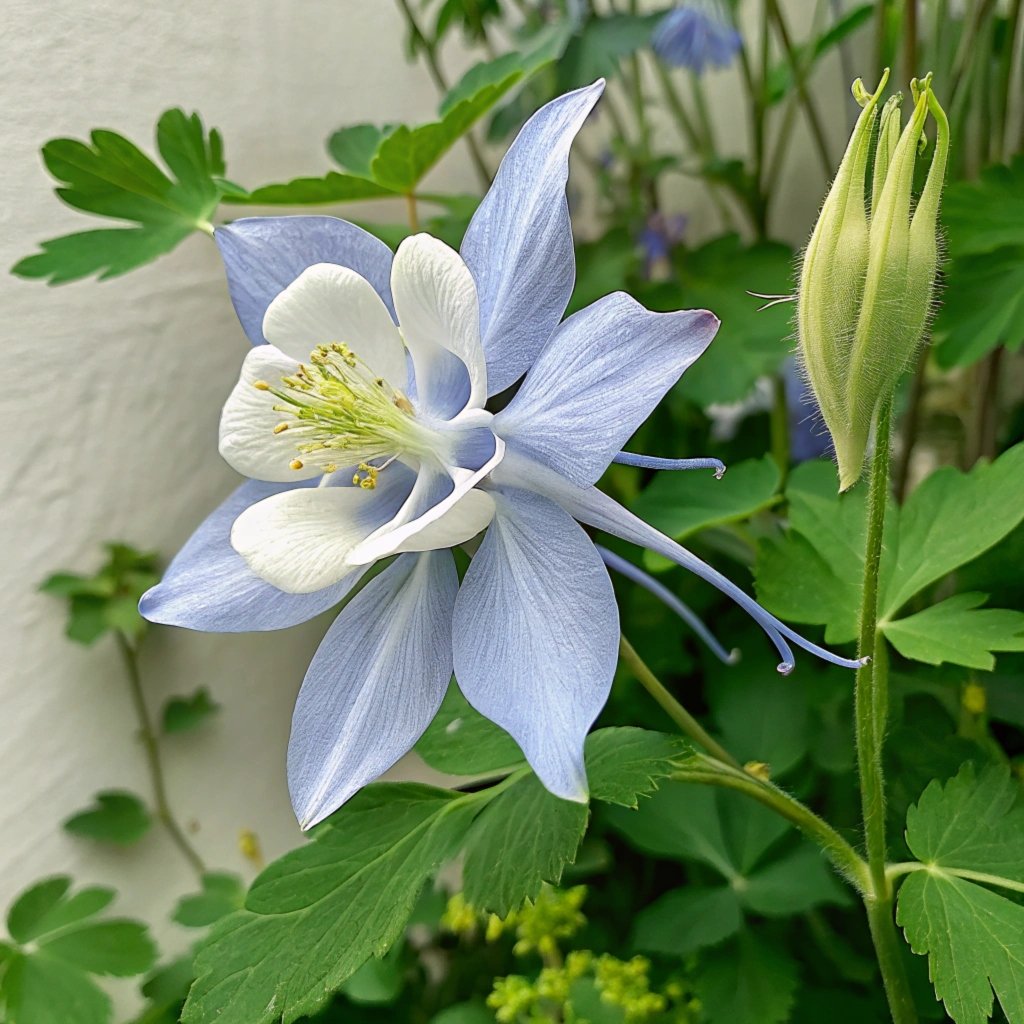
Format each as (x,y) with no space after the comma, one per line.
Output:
(867,278)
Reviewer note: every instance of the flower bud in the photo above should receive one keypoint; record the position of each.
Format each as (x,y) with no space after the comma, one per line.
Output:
(867,280)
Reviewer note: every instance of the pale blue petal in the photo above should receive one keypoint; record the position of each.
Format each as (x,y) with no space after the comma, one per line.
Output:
(536,635)
(374,685)
(599,377)
(670,600)
(209,587)
(263,255)
(654,462)
(595,508)
(519,244)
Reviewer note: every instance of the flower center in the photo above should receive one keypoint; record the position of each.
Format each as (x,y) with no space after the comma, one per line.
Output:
(339,411)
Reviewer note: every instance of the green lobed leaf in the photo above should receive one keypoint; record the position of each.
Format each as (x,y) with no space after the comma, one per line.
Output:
(970,834)
(461,741)
(601,42)
(111,177)
(625,763)
(951,518)
(988,213)
(684,920)
(680,504)
(353,147)
(119,817)
(982,307)
(184,713)
(333,187)
(319,913)
(958,631)
(377,982)
(45,980)
(222,893)
(523,839)
(751,980)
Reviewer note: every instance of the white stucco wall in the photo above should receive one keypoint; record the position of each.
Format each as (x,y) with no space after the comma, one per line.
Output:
(110,399)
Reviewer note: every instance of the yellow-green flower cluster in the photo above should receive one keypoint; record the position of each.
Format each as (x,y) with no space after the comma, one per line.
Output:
(868,273)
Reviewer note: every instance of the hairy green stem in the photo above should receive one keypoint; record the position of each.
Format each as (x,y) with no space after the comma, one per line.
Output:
(779,427)
(842,855)
(871,704)
(688,725)
(429,49)
(151,747)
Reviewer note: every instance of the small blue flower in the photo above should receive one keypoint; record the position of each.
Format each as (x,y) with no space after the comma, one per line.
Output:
(360,419)
(696,34)
(660,235)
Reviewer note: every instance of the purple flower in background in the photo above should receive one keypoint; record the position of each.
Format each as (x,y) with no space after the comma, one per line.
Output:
(660,234)
(359,418)
(696,34)
(808,437)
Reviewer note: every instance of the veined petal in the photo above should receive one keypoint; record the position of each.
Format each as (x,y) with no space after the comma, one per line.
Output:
(300,540)
(263,255)
(599,377)
(437,502)
(536,635)
(595,508)
(519,243)
(374,685)
(209,587)
(327,303)
(247,440)
(439,315)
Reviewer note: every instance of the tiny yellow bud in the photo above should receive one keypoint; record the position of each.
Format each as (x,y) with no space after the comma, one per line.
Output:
(974,699)
(759,769)
(295,464)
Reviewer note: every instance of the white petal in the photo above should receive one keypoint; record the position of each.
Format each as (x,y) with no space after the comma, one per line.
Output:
(434,495)
(300,540)
(470,514)
(247,439)
(439,315)
(327,303)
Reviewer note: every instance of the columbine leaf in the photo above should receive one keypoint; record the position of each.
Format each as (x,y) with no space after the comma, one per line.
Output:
(47,981)
(118,817)
(331,188)
(680,504)
(222,893)
(317,914)
(951,518)
(685,920)
(988,213)
(461,741)
(957,631)
(354,147)
(982,307)
(525,838)
(969,833)
(111,177)
(751,980)
(595,51)
(184,713)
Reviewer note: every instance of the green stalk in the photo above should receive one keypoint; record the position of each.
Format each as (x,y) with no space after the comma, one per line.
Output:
(779,426)
(871,706)
(842,855)
(151,747)
(687,724)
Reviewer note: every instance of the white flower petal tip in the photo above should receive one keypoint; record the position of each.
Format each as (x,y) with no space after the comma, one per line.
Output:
(439,314)
(329,304)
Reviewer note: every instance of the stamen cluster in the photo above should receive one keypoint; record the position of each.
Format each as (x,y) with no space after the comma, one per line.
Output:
(337,408)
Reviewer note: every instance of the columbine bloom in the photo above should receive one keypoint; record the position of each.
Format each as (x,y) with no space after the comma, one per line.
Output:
(696,34)
(868,272)
(360,418)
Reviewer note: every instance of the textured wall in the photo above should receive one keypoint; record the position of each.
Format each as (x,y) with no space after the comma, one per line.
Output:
(110,403)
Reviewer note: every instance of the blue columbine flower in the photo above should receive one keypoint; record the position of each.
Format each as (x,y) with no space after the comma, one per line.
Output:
(696,34)
(359,418)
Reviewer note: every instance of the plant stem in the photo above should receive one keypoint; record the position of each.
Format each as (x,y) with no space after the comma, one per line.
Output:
(871,704)
(688,725)
(909,41)
(845,858)
(411,212)
(429,49)
(800,84)
(151,746)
